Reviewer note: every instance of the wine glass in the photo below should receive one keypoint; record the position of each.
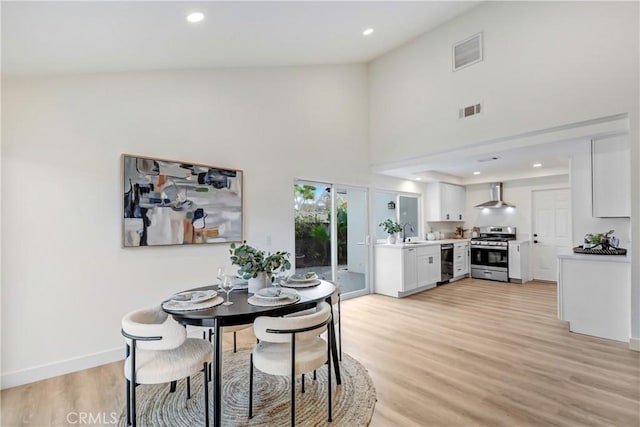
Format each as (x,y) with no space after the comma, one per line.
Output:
(221,273)
(227,285)
(281,279)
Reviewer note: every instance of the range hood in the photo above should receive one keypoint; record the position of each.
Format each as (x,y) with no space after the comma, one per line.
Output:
(496,201)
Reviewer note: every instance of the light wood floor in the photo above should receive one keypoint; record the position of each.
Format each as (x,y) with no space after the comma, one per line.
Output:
(472,353)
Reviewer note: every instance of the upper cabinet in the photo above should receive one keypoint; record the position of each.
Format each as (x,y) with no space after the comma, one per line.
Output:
(611,177)
(445,202)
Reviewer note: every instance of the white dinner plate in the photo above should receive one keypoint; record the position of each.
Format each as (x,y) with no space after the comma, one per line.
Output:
(300,285)
(194,296)
(303,277)
(273,293)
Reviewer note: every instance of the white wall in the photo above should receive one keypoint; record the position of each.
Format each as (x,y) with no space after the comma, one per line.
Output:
(545,64)
(66,280)
(518,193)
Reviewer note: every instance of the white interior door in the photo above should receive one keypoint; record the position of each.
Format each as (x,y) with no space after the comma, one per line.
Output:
(551,231)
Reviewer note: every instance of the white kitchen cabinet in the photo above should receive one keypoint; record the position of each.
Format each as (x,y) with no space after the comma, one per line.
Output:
(594,294)
(460,259)
(401,271)
(445,202)
(611,177)
(519,261)
(410,273)
(428,266)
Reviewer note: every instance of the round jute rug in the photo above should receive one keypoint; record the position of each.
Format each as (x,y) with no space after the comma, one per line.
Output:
(353,400)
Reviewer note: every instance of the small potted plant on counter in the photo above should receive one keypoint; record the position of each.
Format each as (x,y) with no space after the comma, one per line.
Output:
(460,232)
(256,266)
(391,228)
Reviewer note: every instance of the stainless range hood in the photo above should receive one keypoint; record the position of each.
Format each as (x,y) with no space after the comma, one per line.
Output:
(496,201)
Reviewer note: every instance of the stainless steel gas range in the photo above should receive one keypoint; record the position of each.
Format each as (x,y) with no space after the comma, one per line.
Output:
(490,253)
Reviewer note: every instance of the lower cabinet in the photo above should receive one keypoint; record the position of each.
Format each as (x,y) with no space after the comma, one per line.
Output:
(428,262)
(519,261)
(402,271)
(460,260)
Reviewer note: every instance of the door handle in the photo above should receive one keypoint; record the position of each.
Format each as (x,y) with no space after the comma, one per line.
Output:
(535,241)
(535,235)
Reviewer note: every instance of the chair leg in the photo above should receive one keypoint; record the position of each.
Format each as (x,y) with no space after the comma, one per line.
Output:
(302,383)
(293,380)
(172,387)
(251,386)
(210,365)
(206,394)
(133,383)
(235,349)
(314,375)
(339,329)
(188,388)
(128,384)
(329,417)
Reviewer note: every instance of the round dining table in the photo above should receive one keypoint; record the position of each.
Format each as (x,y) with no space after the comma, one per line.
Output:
(241,313)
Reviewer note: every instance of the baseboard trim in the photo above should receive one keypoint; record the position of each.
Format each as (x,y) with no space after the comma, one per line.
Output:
(42,372)
(634,344)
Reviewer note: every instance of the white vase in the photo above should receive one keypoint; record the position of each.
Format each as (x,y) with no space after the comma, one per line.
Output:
(391,239)
(259,282)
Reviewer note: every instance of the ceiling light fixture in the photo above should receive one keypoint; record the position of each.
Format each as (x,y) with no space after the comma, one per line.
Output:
(367,32)
(537,165)
(476,173)
(195,17)
(418,178)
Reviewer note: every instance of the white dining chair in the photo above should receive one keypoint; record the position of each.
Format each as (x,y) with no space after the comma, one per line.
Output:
(335,313)
(158,351)
(292,346)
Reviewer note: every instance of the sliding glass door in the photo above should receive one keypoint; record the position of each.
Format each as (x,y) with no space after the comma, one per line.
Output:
(331,223)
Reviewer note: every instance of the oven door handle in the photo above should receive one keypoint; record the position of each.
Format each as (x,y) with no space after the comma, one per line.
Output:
(497,248)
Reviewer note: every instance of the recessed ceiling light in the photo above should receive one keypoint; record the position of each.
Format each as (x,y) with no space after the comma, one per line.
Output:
(476,173)
(418,178)
(367,32)
(537,165)
(195,17)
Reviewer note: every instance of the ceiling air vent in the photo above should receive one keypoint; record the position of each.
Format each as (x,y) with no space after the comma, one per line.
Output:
(469,111)
(467,52)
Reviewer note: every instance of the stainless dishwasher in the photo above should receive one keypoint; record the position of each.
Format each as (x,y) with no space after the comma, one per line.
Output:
(446,263)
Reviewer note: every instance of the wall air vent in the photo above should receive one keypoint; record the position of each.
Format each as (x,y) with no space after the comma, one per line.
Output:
(469,111)
(467,52)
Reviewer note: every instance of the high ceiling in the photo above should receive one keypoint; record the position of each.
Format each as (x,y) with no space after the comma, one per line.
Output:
(54,37)
(79,36)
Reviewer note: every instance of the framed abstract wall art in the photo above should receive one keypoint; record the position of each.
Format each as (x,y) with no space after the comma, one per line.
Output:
(175,203)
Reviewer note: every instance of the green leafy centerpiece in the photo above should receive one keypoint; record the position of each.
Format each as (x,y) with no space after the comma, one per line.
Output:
(257,266)
(391,228)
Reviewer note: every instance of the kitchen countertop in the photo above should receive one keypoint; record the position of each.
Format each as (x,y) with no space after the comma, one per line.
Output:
(602,258)
(418,243)
(519,242)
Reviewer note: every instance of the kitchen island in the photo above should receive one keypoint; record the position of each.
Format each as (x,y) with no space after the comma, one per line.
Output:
(407,268)
(594,294)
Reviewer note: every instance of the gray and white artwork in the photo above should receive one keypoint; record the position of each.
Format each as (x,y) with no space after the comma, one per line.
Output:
(173,203)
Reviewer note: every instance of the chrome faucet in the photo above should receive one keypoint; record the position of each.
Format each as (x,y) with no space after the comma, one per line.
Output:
(404,231)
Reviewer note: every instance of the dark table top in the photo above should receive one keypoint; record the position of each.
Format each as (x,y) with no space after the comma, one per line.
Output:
(241,312)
